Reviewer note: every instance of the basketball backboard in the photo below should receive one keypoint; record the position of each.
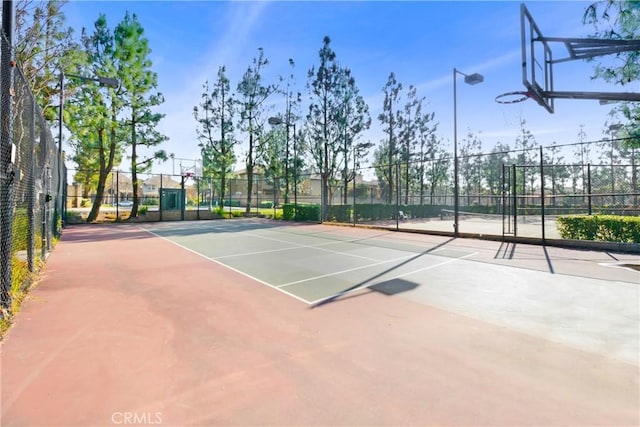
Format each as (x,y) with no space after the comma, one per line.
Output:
(538,63)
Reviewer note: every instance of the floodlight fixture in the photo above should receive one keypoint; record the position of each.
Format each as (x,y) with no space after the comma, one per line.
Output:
(108,82)
(473,79)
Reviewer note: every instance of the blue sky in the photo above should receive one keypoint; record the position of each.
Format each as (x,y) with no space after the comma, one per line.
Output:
(420,41)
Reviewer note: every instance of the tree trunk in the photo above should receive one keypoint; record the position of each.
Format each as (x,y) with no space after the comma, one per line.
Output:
(346,191)
(406,183)
(223,183)
(134,165)
(134,181)
(105,165)
(102,178)
(421,183)
(250,163)
(97,203)
(325,181)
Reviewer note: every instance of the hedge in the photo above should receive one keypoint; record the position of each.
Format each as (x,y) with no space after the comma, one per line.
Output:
(301,212)
(610,228)
(235,203)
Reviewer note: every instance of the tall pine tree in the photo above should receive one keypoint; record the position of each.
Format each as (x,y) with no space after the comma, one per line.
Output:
(253,94)
(215,118)
(390,118)
(91,114)
(138,83)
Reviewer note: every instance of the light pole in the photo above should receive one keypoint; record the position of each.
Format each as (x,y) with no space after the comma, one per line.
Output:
(471,79)
(102,81)
(278,121)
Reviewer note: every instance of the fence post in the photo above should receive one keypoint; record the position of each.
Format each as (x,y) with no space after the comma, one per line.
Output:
(257,194)
(31,184)
(589,187)
(182,197)
(514,201)
(542,205)
(354,192)
(397,213)
(6,157)
(44,203)
(41,206)
(117,193)
(634,178)
(503,203)
(160,200)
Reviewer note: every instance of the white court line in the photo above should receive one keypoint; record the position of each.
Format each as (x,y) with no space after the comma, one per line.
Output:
(227,266)
(345,271)
(278,287)
(270,251)
(297,246)
(366,285)
(324,244)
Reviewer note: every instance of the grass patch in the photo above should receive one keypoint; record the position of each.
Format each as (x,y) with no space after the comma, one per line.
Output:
(21,281)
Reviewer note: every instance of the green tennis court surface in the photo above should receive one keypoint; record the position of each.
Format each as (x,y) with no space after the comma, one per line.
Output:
(587,300)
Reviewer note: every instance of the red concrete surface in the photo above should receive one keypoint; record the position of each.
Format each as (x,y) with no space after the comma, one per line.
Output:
(126,328)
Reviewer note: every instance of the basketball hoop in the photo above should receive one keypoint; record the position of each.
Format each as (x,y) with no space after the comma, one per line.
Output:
(513,97)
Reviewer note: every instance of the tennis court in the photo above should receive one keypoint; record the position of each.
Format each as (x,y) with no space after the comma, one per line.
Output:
(480,224)
(253,321)
(318,264)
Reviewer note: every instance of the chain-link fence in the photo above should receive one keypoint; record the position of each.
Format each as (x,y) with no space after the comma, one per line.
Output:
(157,197)
(31,182)
(170,197)
(517,193)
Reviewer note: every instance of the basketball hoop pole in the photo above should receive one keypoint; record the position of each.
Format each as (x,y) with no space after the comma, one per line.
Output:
(456,205)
